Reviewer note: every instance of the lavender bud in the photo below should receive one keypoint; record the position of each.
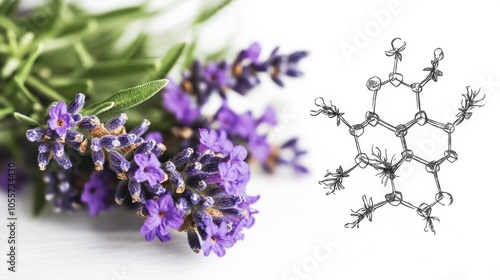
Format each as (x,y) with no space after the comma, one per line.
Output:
(57,148)
(193,240)
(98,158)
(35,134)
(175,179)
(158,150)
(227,202)
(146,147)
(116,122)
(141,128)
(63,161)
(73,135)
(110,142)
(120,192)
(118,161)
(73,145)
(77,118)
(95,144)
(43,160)
(182,157)
(207,202)
(194,198)
(201,185)
(194,181)
(206,158)
(76,104)
(126,139)
(157,189)
(89,123)
(193,168)
(64,186)
(169,166)
(44,148)
(134,189)
(201,218)
(182,204)
(49,193)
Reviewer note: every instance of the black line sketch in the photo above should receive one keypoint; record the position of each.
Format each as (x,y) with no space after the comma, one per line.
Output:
(388,166)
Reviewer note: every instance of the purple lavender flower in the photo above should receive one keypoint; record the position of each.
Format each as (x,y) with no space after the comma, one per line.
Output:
(180,104)
(260,148)
(279,65)
(154,135)
(292,145)
(97,192)
(233,174)
(60,120)
(243,125)
(269,117)
(148,169)
(248,211)
(162,215)
(217,240)
(217,78)
(216,142)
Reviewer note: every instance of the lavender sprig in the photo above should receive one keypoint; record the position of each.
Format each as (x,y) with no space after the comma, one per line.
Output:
(201,191)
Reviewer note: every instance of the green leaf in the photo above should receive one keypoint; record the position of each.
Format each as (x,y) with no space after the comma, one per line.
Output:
(106,106)
(44,89)
(83,54)
(167,63)
(131,97)
(218,54)
(104,70)
(28,64)
(52,13)
(35,102)
(8,7)
(7,23)
(69,86)
(189,58)
(26,120)
(210,12)
(135,47)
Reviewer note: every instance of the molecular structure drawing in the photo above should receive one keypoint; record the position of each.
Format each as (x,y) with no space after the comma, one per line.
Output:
(387,167)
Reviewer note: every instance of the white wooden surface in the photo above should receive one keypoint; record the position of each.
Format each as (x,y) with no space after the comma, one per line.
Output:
(296,219)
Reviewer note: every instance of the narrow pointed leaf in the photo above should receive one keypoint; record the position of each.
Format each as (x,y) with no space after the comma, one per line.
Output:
(106,106)
(210,12)
(28,64)
(131,97)
(26,120)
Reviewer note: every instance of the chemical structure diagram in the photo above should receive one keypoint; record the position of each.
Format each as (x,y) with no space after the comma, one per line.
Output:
(388,167)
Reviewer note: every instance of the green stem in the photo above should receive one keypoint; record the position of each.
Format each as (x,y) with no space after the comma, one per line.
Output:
(44,89)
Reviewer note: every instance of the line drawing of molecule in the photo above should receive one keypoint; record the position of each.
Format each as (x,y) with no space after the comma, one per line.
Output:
(387,167)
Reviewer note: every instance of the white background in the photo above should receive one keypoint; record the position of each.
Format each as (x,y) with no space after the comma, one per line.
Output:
(296,219)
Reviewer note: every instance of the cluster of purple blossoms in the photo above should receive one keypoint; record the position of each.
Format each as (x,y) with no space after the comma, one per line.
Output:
(204,194)
(184,101)
(199,191)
